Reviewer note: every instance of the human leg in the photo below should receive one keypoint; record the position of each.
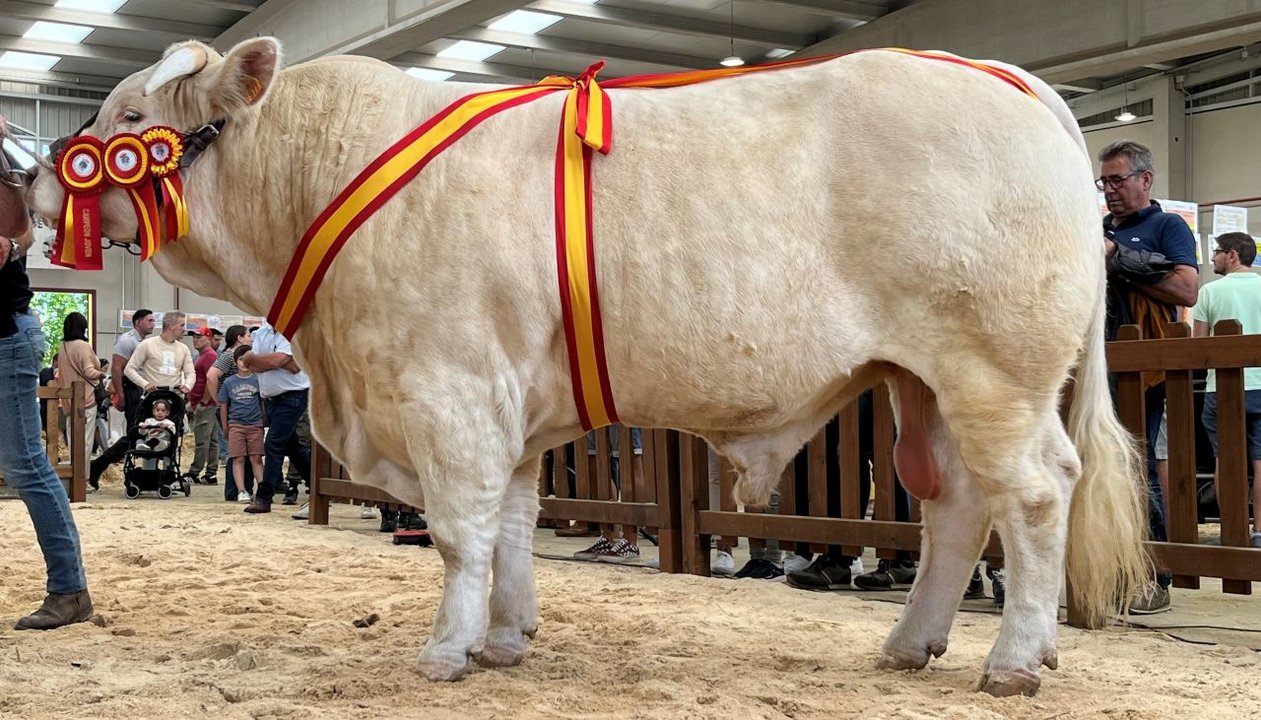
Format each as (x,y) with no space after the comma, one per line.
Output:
(26,467)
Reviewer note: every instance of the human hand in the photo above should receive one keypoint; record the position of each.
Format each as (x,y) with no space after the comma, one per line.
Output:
(150,388)
(181,389)
(1109,246)
(117,402)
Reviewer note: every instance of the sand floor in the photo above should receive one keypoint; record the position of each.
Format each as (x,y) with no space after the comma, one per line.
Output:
(207,612)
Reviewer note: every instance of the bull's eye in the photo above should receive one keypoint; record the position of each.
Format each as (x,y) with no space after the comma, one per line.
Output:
(126,160)
(131,116)
(83,165)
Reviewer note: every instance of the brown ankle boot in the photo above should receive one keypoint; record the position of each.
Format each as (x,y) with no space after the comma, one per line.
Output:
(58,610)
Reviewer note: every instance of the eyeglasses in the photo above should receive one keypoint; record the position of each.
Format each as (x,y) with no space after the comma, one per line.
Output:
(1220,250)
(1112,182)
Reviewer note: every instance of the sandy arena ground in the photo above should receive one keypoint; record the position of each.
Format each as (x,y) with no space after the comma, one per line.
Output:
(207,612)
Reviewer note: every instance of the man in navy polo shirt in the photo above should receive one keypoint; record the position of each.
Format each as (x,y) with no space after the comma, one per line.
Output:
(1151,272)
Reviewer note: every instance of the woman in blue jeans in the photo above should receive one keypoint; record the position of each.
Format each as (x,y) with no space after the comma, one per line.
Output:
(23,460)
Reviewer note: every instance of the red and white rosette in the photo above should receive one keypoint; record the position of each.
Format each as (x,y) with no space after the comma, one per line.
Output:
(127,166)
(81,171)
(166,149)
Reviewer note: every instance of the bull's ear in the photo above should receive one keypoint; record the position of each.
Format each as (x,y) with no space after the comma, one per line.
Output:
(180,62)
(245,76)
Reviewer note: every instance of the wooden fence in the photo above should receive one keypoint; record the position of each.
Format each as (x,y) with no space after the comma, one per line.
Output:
(73,470)
(823,508)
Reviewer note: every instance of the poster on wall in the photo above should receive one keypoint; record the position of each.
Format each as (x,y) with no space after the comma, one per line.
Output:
(1190,212)
(227,321)
(252,321)
(196,322)
(1229,218)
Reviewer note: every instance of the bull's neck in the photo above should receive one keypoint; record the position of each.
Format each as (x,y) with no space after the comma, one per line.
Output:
(253,196)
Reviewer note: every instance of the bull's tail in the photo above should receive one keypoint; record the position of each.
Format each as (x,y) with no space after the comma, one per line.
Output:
(1107,519)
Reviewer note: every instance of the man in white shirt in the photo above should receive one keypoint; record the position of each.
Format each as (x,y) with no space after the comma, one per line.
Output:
(163,361)
(286,391)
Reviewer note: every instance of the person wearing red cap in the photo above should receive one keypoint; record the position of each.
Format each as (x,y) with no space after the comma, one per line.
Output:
(203,412)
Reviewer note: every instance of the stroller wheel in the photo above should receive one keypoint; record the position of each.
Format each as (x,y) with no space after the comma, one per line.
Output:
(132,491)
(164,491)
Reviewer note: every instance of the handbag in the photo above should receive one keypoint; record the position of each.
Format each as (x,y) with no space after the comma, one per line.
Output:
(102,394)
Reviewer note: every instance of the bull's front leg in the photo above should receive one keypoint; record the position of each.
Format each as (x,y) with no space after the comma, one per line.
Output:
(464,484)
(514,607)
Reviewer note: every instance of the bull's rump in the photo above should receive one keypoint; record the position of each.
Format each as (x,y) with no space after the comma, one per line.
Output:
(758,238)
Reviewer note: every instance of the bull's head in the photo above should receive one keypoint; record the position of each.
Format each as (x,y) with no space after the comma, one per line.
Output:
(192,86)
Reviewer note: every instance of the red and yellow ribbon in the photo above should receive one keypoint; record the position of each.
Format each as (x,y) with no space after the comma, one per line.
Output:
(132,163)
(81,171)
(586,125)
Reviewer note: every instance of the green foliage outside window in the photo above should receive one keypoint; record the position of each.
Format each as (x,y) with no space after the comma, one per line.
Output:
(53,307)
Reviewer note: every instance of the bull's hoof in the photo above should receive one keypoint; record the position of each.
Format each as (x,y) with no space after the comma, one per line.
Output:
(1011,683)
(504,647)
(440,666)
(913,660)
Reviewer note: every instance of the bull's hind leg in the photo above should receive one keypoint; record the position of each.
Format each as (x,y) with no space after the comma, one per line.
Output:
(464,483)
(1032,519)
(955,527)
(514,606)
(1012,442)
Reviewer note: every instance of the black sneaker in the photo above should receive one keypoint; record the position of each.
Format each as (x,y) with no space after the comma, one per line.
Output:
(760,569)
(291,498)
(999,582)
(887,574)
(389,521)
(822,574)
(976,589)
(412,521)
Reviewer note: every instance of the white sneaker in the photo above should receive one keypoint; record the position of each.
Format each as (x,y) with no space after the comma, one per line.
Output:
(243,497)
(367,513)
(856,567)
(723,564)
(304,513)
(795,563)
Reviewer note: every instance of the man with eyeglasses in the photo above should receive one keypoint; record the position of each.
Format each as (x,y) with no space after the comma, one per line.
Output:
(1237,296)
(1152,271)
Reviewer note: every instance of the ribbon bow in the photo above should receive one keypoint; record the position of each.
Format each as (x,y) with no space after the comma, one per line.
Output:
(591,107)
(133,163)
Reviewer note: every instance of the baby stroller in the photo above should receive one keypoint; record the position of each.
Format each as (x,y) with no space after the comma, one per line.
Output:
(152,462)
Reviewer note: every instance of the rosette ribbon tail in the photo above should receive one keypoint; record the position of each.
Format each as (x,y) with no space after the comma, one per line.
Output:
(78,244)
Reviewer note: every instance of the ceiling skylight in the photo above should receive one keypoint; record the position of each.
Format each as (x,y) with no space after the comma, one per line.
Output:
(524,22)
(27,61)
(430,74)
(470,50)
(57,32)
(101,6)
(779,53)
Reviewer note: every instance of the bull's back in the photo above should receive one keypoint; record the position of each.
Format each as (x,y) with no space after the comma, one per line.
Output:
(773,233)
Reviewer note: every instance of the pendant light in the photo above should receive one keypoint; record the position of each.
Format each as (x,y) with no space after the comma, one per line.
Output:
(732,60)
(1125,115)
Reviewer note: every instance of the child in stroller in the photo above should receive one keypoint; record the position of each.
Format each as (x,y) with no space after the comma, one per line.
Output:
(153,460)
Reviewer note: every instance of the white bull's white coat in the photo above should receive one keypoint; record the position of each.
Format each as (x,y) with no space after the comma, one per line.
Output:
(767,246)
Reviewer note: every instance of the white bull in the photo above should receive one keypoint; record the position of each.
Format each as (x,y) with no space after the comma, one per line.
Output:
(767,246)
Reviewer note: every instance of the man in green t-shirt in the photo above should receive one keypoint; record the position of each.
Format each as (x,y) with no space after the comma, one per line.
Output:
(1236,296)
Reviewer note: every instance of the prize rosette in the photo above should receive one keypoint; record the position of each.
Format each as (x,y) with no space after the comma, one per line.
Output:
(128,166)
(166,148)
(81,171)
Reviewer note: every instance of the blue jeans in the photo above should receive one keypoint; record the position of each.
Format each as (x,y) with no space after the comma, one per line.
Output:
(25,463)
(283,413)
